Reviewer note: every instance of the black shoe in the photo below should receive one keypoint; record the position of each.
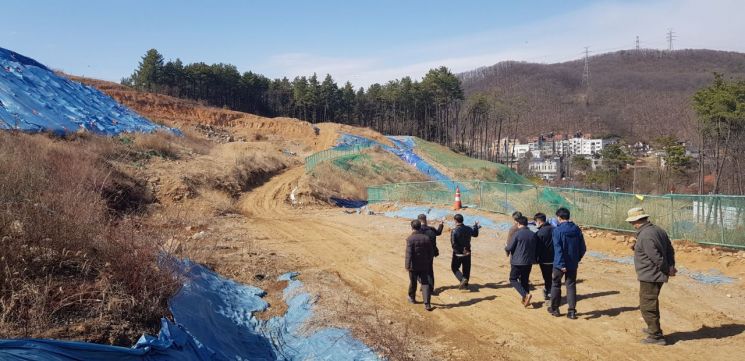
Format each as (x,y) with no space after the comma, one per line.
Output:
(654,341)
(412,300)
(546,296)
(428,307)
(572,315)
(554,312)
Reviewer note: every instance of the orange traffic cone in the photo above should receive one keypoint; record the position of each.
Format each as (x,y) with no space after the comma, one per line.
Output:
(457,205)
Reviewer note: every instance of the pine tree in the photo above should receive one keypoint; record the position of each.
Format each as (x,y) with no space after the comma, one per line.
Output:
(146,77)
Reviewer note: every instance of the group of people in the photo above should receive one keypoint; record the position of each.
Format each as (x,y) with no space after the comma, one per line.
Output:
(556,249)
(421,249)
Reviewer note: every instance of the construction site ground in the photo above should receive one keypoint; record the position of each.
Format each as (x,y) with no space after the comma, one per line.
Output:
(365,252)
(354,264)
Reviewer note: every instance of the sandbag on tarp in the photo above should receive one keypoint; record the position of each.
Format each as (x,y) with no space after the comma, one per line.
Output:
(35,99)
(172,344)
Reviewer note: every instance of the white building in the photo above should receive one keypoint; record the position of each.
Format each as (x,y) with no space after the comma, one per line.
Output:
(548,169)
(552,148)
(519,150)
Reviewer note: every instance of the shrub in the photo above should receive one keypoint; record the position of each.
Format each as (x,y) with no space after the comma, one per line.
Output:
(66,258)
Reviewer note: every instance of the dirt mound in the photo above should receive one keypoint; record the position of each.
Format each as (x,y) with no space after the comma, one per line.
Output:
(349,176)
(231,168)
(184,113)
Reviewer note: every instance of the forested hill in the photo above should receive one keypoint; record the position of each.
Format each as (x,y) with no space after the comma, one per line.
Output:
(638,94)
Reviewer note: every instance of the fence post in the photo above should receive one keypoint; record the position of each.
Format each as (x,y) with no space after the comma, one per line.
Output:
(721,219)
(481,194)
(504,205)
(672,217)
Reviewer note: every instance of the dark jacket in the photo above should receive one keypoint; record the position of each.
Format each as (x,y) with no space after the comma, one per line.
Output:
(522,247)
(569,245)
(419,252)
(433,232)
(544,252)
(653,254)
(460,238)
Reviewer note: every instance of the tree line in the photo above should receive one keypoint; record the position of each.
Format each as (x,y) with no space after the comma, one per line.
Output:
(435,108)
(428,108)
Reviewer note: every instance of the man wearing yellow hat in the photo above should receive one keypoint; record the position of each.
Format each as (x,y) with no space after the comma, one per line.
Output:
(654,260)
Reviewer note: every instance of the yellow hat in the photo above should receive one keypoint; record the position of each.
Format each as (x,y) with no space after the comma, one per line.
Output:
(635,214)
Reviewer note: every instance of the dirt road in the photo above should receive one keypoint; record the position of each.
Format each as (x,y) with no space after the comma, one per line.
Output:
(703,322)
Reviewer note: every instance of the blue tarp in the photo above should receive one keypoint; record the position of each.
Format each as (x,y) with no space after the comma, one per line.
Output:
(404,149)
(214,321)
(434,214)
(349,203)
(34,99)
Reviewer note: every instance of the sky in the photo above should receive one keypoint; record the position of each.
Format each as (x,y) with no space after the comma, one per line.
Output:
(361,41)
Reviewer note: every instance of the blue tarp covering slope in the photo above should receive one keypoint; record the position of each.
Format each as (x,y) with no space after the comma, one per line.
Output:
(214,321)
(35,99)
(404,149)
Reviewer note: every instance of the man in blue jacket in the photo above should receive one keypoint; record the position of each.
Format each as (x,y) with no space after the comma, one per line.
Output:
(521,249)
(569,248)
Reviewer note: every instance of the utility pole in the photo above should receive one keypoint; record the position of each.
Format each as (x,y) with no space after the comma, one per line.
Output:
(670,37)
(586,73)
(637,43)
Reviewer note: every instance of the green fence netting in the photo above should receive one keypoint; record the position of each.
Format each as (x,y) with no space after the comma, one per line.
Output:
(708,219)
(312,160)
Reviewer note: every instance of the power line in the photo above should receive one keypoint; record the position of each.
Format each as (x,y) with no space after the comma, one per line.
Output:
(670,37)
(586,73)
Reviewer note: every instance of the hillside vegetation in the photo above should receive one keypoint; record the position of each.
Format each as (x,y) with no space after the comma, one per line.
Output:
(637,94)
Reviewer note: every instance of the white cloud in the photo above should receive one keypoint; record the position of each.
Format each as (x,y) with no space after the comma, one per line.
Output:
(604,27)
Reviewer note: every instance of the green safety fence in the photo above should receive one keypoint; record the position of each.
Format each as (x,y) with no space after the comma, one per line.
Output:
(707,219)
(312,160)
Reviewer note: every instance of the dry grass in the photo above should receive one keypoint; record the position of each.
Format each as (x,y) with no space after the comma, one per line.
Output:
(230,168)
(67,256)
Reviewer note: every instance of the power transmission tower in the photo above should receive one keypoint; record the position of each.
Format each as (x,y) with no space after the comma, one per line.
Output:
(670,37)
(637,43)
(586,73)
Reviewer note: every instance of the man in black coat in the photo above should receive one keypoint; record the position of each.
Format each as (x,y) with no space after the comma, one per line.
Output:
(544,253)
(432,232)
(521,250)
(460,239)
(419,254)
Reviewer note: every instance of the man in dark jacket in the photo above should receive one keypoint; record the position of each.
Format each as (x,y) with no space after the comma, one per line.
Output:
(460,239)
(432,232)
(419,253)
(545,252)
(569,248)
(654,260)
(521,250)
